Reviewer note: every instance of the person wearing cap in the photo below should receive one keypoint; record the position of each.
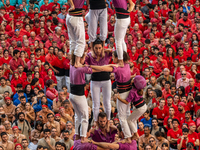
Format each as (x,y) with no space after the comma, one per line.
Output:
(9,108)
(43,113)
(181,111)
(16,137)
(76,29)
(135,96)
(122,22)
(6,143)
(193,134)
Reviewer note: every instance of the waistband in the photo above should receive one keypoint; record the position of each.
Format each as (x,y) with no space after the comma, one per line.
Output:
(77,89)
(100,76)
(139,103)
(121,13)
(124,87)
(76,12)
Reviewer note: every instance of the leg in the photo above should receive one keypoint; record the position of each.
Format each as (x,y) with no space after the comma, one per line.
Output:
(122,113)
(59,83)
(95,92)
(92,20)
(79,32)
(106,91)
(120,32)
(67,82)
(71,34)
(132,119)
(103,24)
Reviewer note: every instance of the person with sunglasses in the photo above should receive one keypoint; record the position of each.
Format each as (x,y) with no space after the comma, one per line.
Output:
(183,81)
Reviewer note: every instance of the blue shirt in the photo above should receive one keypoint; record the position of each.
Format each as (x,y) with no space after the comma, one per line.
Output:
(17,102)
(146,122)
(16,96)
(184,9)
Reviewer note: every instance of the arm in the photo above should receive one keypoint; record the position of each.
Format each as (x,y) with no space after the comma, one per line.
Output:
(122,100)
(106,68)
(196,142)
(106,145)
(180,144)
(55,108)
(71,5)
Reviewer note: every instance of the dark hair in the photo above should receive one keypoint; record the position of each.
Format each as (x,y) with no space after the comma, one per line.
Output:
(34,81)
(183,90)
(49,82)
(102,115)
(175,120)
(185,130)
(65,131)
(46,130)
(165,144)
(58,143)
(154,119)
(197,76)
(21,113)
(2,78)
(24,140)
(39,123)
(3,133)
(16,51)
(125,56)
(22,97)
(158,92)
(49,114)
(97,41)
(39,147)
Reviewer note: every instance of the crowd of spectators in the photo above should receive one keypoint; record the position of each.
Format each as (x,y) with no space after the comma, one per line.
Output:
(162,40)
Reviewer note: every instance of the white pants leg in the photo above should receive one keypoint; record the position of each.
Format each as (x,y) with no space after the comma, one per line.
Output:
(123,114)
(67,83)
(96,87)
(92,19)
(121,26)
(95,93)
(60,82)
(106,91)
(76,32)
(81,109)
(136,114)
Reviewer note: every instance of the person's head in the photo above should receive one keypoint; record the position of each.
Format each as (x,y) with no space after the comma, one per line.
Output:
(192,127)
(44,108)
(173,89)
(69,125)
(184,75)
(167,85)
(152,141)
(39,125)
(15,130)
(54,132)
(47,133)
(185,132)
(181,106)
(159,135)
(175,123)
(65,135)
(24,143)
(141,125)
(171,111)
(21,116)
(181,91)
(187,115)
(4,136)
(169,101)
(160,56)
(162,103)
(126,57)
(146,130)
(146,114)
(50,117)
(8,101)
(165,146)
(3,81)
(154,122)
(39,147)
(102,120)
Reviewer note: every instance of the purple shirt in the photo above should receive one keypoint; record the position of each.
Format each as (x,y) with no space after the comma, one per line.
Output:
(103,61)
(122,75)
(77,75)
(131,146)
(83,146)
(78,3)
(120,4)
(98,136)
(133,96)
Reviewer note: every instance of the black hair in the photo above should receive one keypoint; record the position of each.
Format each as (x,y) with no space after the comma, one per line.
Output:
(46,130)
(125,56)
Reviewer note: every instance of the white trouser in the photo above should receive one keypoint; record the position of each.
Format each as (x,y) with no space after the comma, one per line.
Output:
(81,113)
(67,83)
(60,82)
(96,87)
(135,115)
(123,114)
(92,19)
(76,32)
(121,26)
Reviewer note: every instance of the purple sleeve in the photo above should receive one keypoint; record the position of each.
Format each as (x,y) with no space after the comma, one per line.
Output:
(87,70)
(114,70)
(87,60)
(131,96)
(123,146)
(90,146)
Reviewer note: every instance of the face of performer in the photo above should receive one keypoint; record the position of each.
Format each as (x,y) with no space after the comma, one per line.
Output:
(102,122)
(115,59)
(98,49)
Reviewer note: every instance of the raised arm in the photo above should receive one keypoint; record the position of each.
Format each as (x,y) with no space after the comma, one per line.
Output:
(131,5)
(71,5)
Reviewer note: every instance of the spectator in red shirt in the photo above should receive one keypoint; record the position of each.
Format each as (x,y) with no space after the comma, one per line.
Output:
(171,115)
(181,111)
(182,142)
(16,61)
(159,64)
(197,105)
(174,134)
(187,119)
(185,21)
(160,112)
(141,128)
(192,134)
(134,71)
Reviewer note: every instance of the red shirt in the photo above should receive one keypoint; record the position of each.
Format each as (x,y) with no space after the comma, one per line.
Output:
(44,7)
(3,60)
(14,64)
(166,120)
(160,113)
(184,121)
(181,116)
(181,58)
(48,78)
(193,136)
(184,142)
(58,63)
(185,23)
(140,132)
(196,108)
(174,134)
(14,82)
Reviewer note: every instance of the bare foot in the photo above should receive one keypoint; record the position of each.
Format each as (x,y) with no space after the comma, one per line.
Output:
(78,65)
(84,140)
(128,140)
(121,63)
